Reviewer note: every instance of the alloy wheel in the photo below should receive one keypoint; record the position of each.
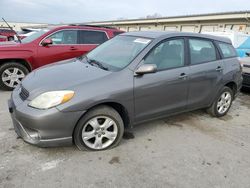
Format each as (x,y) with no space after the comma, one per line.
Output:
(224,102)
(99,132)
(13,76)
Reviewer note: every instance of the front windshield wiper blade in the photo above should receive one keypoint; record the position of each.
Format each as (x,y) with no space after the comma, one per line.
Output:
(95,62)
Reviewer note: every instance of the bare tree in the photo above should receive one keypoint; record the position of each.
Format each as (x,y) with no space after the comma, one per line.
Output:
(155,15)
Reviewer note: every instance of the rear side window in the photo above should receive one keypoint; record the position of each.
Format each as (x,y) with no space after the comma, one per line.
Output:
(201,51)
(227,50)
(92,37)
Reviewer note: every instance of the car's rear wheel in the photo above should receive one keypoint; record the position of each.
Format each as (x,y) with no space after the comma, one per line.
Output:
(12,75)
(222,103)
(100,129)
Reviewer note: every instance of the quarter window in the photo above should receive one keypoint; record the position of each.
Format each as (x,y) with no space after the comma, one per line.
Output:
(227,50)
(64,37)
(169,54)
(92,37)
(201,51)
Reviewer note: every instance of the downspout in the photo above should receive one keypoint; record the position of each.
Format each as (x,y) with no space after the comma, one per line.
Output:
(247,17)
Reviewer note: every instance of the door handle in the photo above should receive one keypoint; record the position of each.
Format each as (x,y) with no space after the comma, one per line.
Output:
(182,76)
(73,48)
(219,69)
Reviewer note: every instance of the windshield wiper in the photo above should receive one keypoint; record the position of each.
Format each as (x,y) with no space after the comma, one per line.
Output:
(95,62)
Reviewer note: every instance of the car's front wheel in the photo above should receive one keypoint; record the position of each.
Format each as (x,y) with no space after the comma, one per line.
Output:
(222,103)
(12,75)
(100,129)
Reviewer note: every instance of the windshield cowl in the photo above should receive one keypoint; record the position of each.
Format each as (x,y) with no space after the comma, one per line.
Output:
(94,62)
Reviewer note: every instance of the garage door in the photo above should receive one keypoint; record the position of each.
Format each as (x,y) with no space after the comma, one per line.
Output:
(123,29)
(150,28)
(209,28)
(133,29)
(170,28)
(188,28)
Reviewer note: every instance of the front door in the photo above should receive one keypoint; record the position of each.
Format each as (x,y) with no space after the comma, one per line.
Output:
(164,92)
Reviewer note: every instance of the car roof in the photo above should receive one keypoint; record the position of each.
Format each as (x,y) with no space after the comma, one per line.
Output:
(166,34)
(82,27)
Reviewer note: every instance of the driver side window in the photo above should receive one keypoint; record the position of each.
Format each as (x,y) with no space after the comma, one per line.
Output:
(168,54)
(64,37)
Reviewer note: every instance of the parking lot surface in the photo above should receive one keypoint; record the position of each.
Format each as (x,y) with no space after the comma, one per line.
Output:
(187,150)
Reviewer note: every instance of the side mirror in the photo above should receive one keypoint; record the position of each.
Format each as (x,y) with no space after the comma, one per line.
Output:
(47,42)
(146,69)
(248,54)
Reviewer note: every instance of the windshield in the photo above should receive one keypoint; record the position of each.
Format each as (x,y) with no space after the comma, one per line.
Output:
(34,36)
(118,52)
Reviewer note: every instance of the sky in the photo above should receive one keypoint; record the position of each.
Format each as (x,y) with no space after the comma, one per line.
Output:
(75,11)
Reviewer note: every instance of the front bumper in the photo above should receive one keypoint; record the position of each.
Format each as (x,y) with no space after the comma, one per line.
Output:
(44,128)
(246,80)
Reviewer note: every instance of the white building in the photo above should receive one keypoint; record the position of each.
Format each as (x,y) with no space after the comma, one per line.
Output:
(236,21)
(18,25)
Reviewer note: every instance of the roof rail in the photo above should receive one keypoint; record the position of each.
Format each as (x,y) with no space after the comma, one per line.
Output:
(87,25)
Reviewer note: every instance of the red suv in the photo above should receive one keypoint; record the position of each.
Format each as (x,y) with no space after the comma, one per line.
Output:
(47,46)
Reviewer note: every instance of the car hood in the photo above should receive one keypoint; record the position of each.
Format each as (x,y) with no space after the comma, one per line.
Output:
(60,76)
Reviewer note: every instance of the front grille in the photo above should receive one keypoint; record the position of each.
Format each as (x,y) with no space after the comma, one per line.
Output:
(24,94)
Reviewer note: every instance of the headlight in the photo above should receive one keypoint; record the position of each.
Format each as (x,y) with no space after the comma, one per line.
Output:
(51,99)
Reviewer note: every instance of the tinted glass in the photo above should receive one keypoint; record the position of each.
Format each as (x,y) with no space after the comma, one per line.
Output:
(92,37)
(227,50)
(64,37)
(201,51)
(169,54)
(118,52)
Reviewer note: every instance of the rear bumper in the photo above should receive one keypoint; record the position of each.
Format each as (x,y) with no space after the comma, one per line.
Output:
(43,128)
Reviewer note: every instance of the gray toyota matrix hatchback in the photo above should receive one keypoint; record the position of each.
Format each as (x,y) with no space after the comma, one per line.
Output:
(132,78)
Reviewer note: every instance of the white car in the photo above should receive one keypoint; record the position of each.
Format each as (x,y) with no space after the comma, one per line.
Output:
(246,71)
(26,32)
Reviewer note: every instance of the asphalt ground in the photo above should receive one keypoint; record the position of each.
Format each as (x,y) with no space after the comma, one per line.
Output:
(188,150)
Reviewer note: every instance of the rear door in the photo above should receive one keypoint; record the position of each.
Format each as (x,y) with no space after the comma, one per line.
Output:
(64,47)
(206,69)
(89,39)
(165,91)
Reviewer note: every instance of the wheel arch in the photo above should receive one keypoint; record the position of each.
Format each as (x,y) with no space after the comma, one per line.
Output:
(116,106)
(16,60)
(233,86)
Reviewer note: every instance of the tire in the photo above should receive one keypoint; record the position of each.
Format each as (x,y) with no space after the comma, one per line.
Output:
(10,38)
(11,74)
(221,105)
(108,131)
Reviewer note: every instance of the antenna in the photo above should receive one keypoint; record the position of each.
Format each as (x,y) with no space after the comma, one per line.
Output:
(12,30)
